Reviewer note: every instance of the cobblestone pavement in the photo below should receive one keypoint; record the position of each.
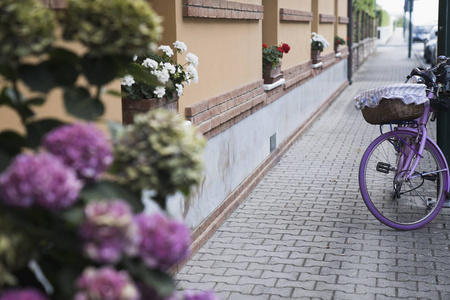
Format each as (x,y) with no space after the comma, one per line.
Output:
(305,233)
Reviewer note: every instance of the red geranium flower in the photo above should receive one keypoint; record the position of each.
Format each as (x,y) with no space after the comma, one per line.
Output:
(264,45)
(285,48)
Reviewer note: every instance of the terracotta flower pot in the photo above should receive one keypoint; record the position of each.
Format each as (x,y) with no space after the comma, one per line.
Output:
(337,48)
(271,75)
(131,107)
(315,56)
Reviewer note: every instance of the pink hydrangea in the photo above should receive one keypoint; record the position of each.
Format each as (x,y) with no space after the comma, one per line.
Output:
(39,179)
(105,284)
(108,231)
(83,147)
(163,242)
(23,294)
(205,295)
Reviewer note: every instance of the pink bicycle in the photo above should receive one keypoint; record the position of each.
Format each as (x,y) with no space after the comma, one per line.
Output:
(403,175)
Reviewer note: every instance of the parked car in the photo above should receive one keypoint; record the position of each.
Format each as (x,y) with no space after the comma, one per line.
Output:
(420,33)
(430,50)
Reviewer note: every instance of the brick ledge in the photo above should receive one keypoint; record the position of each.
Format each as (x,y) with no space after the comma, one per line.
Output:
(293,15)
(222,9)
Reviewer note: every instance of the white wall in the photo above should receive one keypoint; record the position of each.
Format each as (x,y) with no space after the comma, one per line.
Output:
(235,153)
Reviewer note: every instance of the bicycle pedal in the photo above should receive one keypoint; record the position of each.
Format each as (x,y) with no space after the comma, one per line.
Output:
(383,167)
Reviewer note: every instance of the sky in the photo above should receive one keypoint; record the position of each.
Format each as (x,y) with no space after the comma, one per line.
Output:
(425,11)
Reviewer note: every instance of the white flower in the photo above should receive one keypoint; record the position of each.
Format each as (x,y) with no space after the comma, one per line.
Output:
(162,75)
(318,38)
(180,46)
(179,89)
(169,67)
(192,72)
(167,50)
(192,58)
(150,63)
(160,91)
(127,80)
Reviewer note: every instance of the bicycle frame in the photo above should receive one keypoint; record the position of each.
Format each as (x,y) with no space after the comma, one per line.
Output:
(408,166)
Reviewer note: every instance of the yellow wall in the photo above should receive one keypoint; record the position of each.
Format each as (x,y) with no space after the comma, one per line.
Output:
(296,34)
(271,22)
(341,11)
(167,9)
(326,29)
(229,51)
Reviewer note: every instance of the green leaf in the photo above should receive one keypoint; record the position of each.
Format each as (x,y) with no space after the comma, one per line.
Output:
(142,74)
(73,216)
(7,72)
(108,190)
(5,97)
(37,77)
(99,70)
(5,160)
(79,103)
(35,101)
(113,93)
(16,102)
(36,130)
(159,281)
(11,142)
(64,66)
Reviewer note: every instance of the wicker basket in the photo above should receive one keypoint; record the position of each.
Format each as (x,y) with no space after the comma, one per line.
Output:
(391,110)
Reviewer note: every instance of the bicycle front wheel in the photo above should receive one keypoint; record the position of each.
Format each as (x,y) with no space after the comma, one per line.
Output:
(401,203)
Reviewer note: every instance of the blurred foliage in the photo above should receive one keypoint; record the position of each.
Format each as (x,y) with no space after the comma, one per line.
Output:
(113,31)
(383,18)
(114,27)
(367,6)
(159,152)
(26,28)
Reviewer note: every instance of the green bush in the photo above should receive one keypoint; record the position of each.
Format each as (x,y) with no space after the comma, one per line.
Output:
(26,27)
(385,19)
(112,27)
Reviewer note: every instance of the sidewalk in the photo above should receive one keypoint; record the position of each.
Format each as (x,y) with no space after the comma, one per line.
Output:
(305,233)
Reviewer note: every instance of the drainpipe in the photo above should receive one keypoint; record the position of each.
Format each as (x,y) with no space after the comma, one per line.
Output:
(350,41)
(411,4)
(443,119)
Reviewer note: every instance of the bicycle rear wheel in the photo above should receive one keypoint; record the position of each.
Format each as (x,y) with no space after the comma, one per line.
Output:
(402,204)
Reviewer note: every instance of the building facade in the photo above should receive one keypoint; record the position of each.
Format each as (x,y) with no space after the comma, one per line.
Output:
(249,125)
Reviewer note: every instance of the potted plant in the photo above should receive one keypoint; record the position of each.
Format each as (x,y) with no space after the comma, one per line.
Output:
(271,60)
(159,81)
(337,42)
(318,43)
